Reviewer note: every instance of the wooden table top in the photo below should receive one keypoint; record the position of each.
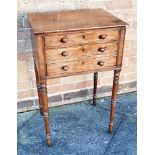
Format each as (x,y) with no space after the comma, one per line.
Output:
(46,22)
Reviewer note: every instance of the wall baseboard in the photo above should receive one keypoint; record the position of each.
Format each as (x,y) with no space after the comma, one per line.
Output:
(78,96)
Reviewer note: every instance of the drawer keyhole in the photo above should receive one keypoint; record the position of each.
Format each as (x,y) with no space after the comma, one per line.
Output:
(82,63)
(83,36)
(83,49)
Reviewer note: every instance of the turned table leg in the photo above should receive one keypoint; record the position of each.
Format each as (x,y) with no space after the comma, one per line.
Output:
(95,88)
(38,90)
(114,98)
(45,111)
(40,98)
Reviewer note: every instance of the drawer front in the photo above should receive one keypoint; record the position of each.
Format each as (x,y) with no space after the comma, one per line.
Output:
(77,38)
(78,52)
(83,65)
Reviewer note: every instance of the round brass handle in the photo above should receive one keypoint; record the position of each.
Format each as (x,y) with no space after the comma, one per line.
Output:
(101,49)
(64,53)
(102,36)
(64,40)
(101,63)
(65,68)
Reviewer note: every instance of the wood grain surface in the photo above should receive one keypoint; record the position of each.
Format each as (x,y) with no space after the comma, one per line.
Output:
(81,37)
(46,22)
(80,66)
(77,52)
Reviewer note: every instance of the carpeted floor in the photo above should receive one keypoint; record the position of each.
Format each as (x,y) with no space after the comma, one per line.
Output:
(81,129)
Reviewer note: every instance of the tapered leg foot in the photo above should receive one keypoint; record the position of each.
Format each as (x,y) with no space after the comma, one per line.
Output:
(48,140)
(45,112)
(110,128)
(114,98)
(46,121)
(95,88)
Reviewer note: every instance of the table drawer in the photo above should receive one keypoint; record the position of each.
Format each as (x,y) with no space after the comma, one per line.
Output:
(80,37)
(83,65)
(84,51)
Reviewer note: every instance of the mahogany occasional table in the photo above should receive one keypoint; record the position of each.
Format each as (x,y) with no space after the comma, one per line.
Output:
(76,42)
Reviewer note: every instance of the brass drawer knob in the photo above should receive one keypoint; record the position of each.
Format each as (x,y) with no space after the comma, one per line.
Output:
(64,40)
(65,68)
(101,63)
(101,49)
(102,36)
(64,53)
